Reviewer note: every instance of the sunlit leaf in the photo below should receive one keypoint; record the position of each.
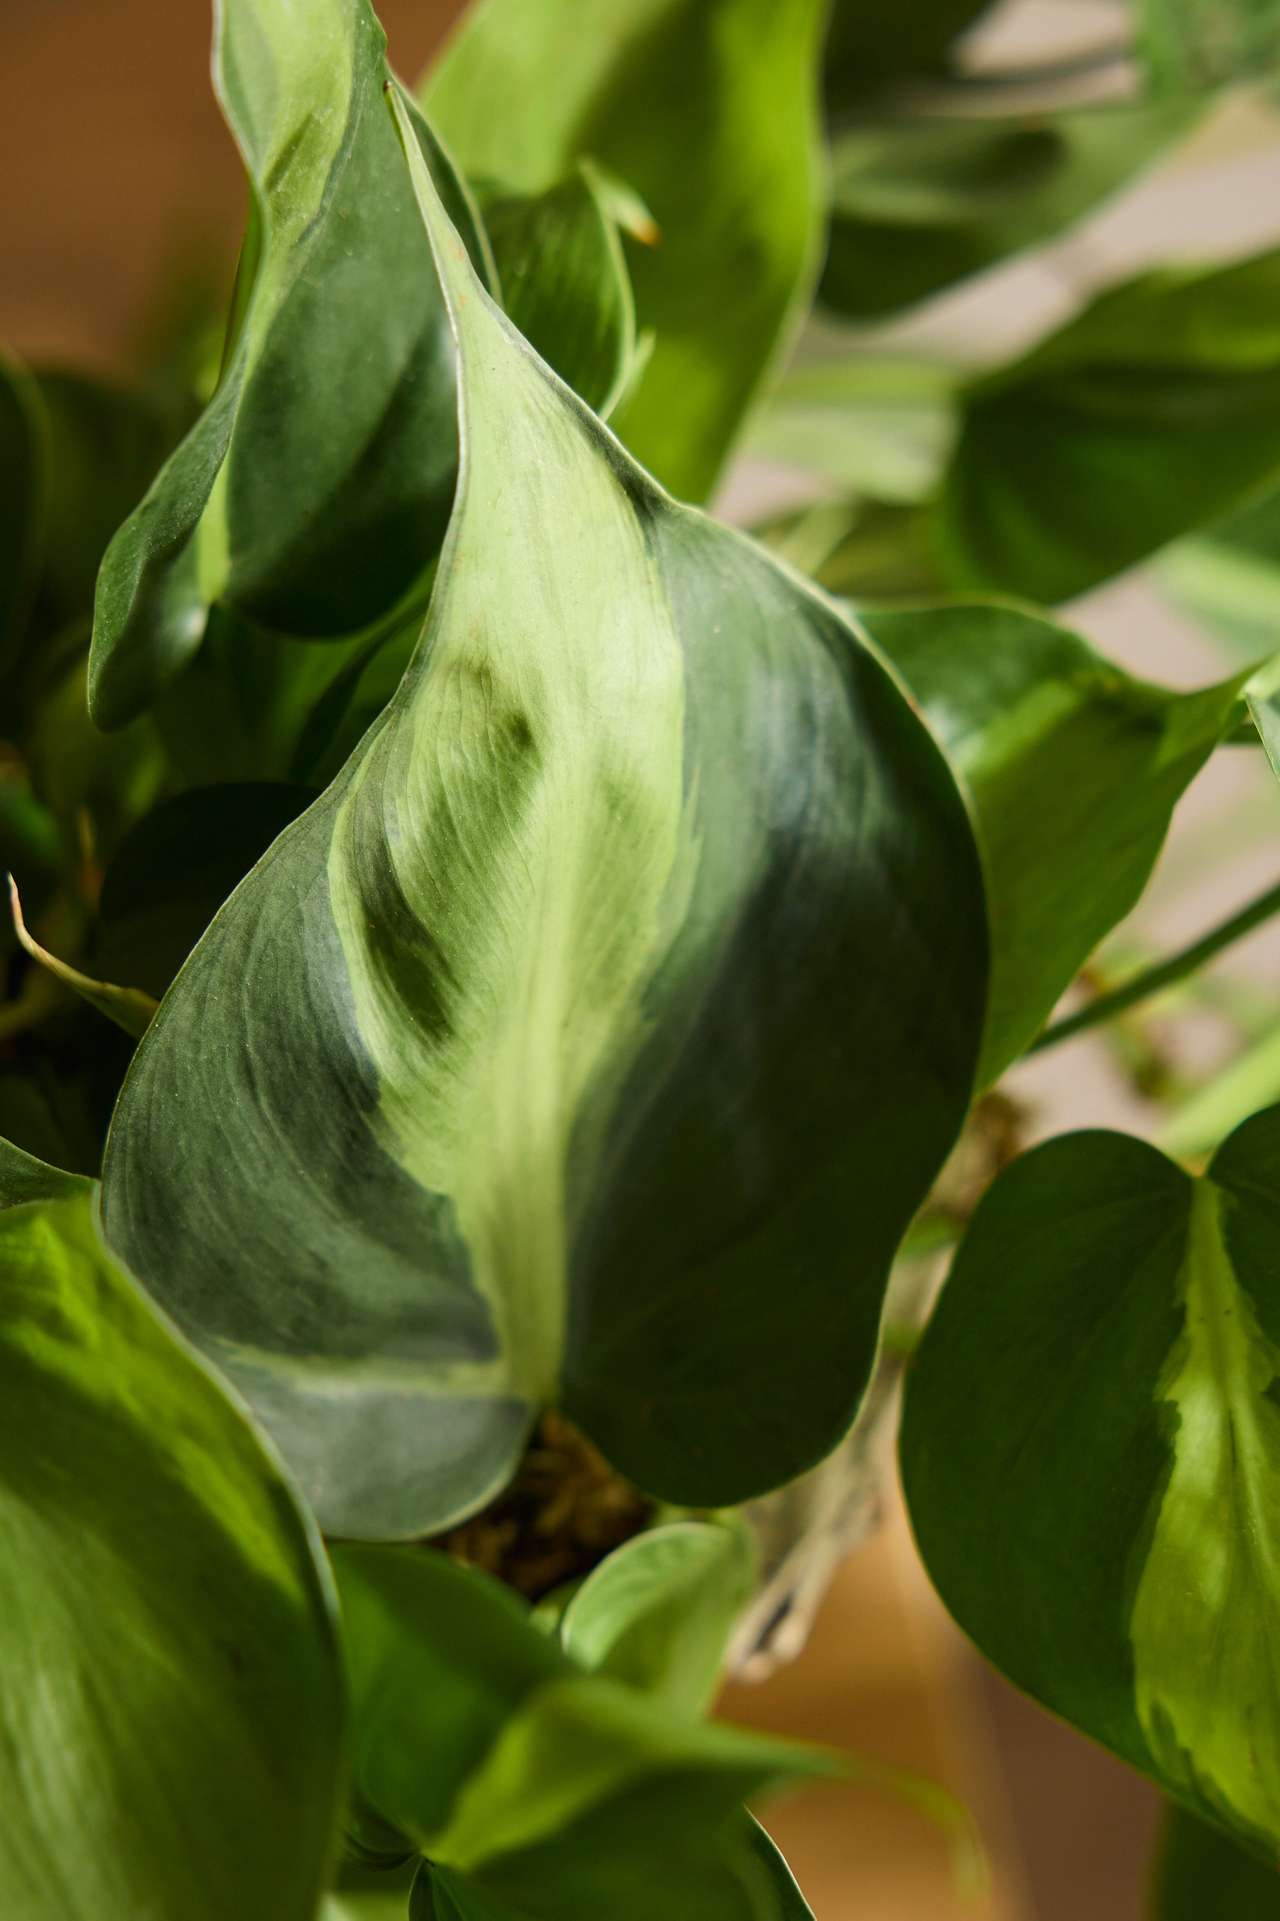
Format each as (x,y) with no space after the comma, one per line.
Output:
(707,109)
(1091,1453)
(317,484)
(635,965)
(1074,769)
(171,1710)
(1157,411)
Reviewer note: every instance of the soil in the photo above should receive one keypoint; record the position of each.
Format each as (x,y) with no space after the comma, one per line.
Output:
(564,1511)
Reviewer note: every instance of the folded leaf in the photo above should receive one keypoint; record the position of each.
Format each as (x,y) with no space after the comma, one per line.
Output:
(1091,1455)
(1074,769)
(1199,1872)
(707,109)
(658,1612)
(332,437)
(1156,411)
(565,284)
(535,1789)
(171,1711)
(634,963)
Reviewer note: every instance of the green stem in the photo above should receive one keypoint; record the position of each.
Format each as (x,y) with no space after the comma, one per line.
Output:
(1152,979)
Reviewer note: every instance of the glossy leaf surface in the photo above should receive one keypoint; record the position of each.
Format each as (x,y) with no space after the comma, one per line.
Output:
(332,437)
(658,1612)
(1074,769)
(1156,411)
(562,1009)
(1091,1454)
(707,109)
(171,1704)
(565,285)
(533,1788)
(1200,1872)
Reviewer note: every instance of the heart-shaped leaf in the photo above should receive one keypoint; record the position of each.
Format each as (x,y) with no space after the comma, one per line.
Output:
(317,484)
(1091,1455)
(707,109)
(633,968)
(1154,412)
(172,1711)
(1074,769)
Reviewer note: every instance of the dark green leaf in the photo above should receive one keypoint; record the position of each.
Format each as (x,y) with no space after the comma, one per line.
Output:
(872,48)
(565,285)
(1074,770)
(792,1903)
(173,872)
(705,108)
(23,1178)
(105,446)
(1154,412)
(633,967)
(24,482)
(172,1704)
(1091,1454)
(921,201)
(316,486)
(1200,1873)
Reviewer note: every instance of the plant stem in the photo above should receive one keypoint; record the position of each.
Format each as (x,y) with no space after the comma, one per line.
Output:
(1152,979)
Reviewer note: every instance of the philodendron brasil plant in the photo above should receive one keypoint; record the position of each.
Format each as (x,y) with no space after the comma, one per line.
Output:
(563,939)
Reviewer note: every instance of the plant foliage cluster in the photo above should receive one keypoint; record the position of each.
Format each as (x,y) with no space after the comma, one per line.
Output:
(489,939)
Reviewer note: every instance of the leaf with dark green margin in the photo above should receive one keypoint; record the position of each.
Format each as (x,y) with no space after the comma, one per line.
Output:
(565,285)
(920,201)
(105,446)
(1074,769)
(533,1788)
(1202,1876)
(317,485)
(172,873)
(658,1612)
(633,967)
(708,110)
(1154,412)
(24,482)
(1091,1455)
(172,1706)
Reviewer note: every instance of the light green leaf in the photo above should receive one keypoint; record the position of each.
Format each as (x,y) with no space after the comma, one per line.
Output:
(634,963)
(316,486)
(707,110)
(1091,1453)
(565,284)
(658,1612)
(1074,770)
(1207,43)
(1199,1872)
(171,1710)
(1156,411)
(923,200)
(533,1788)
(129,1007)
